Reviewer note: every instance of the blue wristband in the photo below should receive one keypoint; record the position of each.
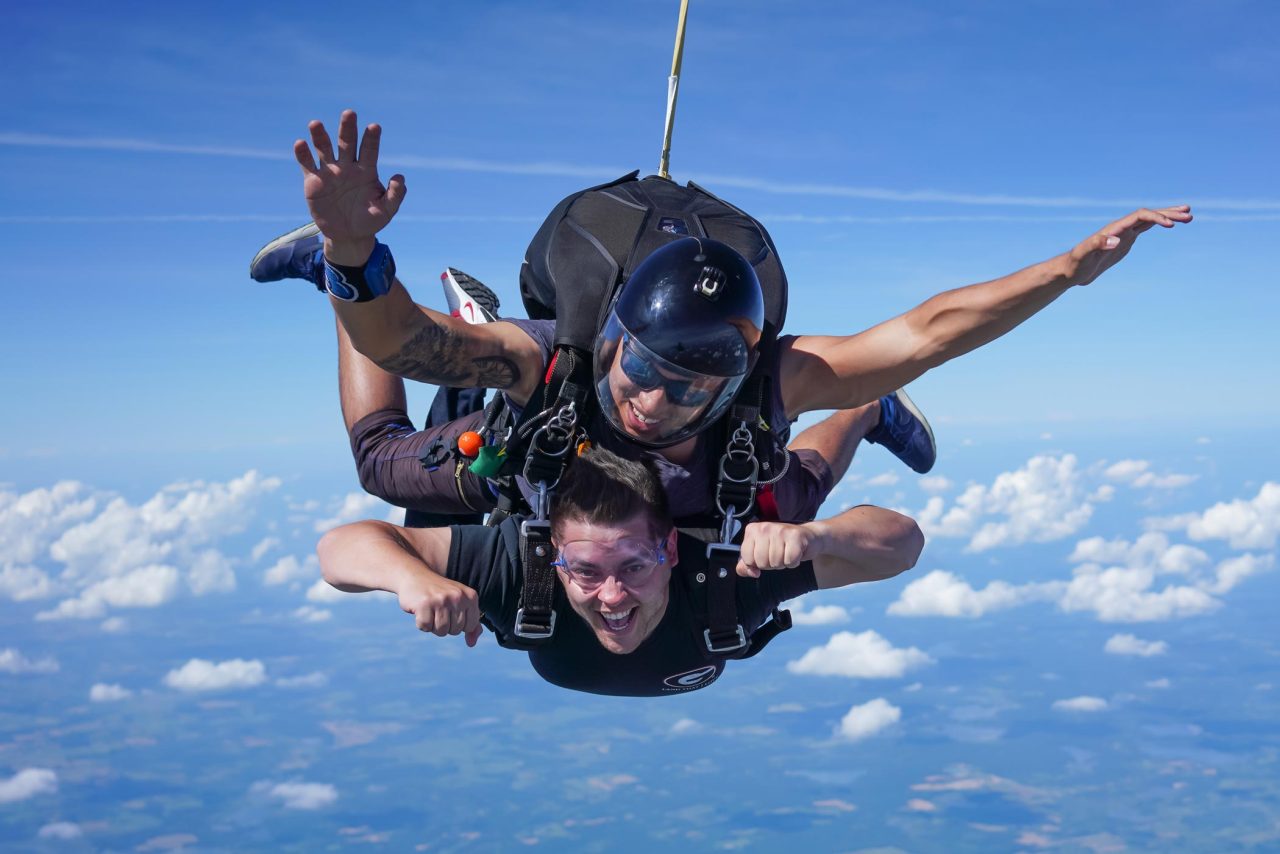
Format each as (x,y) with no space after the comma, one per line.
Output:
(361,284)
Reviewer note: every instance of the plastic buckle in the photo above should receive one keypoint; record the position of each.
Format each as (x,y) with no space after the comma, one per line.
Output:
(541,634)
(541,526)
(711,647)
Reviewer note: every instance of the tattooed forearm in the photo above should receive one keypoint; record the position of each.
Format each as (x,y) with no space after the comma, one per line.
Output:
(432,355)
(496,372)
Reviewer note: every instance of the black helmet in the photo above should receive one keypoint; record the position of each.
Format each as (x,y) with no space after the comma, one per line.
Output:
(679,340)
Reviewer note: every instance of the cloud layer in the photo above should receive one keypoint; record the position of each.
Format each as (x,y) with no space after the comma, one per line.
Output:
(865,655)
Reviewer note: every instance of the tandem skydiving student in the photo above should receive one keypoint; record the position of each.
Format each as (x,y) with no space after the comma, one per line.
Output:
(629,623)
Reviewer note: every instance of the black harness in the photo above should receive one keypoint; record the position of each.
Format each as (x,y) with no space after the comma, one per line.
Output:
(577,261)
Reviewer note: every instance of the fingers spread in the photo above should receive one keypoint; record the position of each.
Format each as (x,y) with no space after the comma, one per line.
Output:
(347,137)
(369,146)
(302,153)
(396,190)
(320,139)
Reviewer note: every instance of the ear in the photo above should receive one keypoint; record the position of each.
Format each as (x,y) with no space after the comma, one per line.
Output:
(669,548)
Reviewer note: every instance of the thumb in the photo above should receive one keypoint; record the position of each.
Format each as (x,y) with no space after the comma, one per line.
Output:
(1103,242)
(396,190)
(473,635)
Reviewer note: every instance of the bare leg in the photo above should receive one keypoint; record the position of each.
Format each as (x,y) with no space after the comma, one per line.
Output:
(389,453)
(363,387)
(836,437)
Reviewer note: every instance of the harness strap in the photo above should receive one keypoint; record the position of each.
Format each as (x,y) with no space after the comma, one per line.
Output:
(723,634)
(536,616)
(779,622)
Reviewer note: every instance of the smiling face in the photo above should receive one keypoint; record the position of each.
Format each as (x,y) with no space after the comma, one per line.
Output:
(621,611)
(654,401)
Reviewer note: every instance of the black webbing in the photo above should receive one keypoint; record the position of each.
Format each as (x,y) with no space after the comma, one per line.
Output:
(723,634)
(779,623)
(536,617)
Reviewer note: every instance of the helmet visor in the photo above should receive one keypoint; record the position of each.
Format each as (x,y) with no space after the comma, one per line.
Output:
(650,399)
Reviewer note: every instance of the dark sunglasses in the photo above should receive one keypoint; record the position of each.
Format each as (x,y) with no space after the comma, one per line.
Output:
(647,377)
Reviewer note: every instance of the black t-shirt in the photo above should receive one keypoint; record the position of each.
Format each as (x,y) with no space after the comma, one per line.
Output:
(671,660)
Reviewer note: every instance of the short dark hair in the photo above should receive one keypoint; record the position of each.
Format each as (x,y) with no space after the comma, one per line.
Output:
(603,488)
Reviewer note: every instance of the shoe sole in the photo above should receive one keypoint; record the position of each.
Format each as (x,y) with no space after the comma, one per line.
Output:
(478,291)
(911,407)
(299,233)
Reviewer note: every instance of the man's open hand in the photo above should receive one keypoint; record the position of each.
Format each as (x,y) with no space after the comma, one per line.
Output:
(1099,252)
(344,194)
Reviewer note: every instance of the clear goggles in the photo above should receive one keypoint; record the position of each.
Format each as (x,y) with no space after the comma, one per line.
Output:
(631,562)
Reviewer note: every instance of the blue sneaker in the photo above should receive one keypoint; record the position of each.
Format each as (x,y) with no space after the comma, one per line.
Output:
(904,432)
(296,255)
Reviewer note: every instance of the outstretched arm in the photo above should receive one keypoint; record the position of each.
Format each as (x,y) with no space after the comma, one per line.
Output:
(863,543)
(409,562)
(350,205)
(831,372)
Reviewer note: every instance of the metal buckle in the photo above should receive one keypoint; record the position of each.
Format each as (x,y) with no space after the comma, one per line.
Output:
(711,647)
(538,634)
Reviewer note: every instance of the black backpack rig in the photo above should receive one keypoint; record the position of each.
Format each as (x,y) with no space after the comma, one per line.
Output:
(581,255)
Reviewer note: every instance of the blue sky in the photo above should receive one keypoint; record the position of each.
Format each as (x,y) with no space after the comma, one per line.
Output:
(894,150)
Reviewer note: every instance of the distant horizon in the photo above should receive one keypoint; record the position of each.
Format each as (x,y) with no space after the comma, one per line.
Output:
(1083,657)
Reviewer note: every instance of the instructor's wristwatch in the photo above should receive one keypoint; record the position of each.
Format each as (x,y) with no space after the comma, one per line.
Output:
(361,284)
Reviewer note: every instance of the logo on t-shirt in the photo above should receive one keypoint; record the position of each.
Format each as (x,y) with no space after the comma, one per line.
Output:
(691,679)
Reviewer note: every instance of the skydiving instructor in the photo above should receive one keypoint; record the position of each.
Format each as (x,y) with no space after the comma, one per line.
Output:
(815,372)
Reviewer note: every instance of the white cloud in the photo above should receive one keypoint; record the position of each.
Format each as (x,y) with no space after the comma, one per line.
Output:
(113,553)
(934,483)
(146,587)
(1233,570)
(866,655)
(1123,594)
(104,693)
(1244,523)
(289,568)
(298,795)
(28,783)
(868,719)
(1167,481)
(60,830)
(1041,502)
(1127,470)
(355,506)
(943,594)
(115,625)
(921,805)
(309,614)
(685,726)
(211,572)
(820,615)
(13,661)
(1125,644)
(323,591)
(1158,683)
(886,479)
(1151,550)
(785,708)
(1138,474)
(23,583)
(1081,704)
(200,675)
(264,545)
(315,679)
(28,521)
